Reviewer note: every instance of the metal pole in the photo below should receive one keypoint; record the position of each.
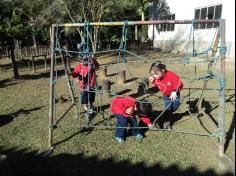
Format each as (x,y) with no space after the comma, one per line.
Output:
(133,23)
(69,83)
(51,101)
(222,92)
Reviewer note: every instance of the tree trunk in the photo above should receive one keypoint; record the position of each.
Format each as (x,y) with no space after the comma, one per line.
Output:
(95,38)
(143,19)
(14,64)
(34,41)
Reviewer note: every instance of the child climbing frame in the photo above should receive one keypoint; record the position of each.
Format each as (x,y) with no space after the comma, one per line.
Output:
(56,50)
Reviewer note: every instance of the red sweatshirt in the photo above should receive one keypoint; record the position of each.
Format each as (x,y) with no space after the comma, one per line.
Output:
(87,74)
(146,120)
(119,105)
(169,82)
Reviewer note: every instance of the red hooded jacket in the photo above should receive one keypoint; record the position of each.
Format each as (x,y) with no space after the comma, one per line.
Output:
(87,74)
(119,105)
(168,83)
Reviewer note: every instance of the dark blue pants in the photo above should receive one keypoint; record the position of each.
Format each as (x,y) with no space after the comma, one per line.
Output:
(87,96)
(123,122)
(172,105)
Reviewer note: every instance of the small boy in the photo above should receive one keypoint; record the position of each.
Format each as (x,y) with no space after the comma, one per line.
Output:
(124,109)
(85,74)
(170,84)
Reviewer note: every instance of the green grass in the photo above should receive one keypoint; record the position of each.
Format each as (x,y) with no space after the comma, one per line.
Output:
(24,111)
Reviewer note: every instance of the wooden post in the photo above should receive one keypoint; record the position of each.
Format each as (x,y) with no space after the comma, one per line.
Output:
(222,92)
(33,64)
(106,87)
(104,71)
(121,77)
(136,32)
(52,94)
(29,64)
(45,62)
(69,83)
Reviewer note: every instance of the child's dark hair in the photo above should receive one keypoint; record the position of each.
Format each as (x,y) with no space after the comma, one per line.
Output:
(144,108)
(157,64)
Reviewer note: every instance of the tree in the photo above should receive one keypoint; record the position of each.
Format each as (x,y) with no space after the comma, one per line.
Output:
(31,9)
(158,8)
(11,28)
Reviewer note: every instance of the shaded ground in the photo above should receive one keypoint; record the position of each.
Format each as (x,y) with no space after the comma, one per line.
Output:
(19,163)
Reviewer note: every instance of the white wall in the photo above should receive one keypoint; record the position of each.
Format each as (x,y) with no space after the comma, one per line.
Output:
(184,10)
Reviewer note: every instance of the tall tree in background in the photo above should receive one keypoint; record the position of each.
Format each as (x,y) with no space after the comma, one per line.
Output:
(157,9)
(151,10)
(67,11)
(11,28)
(31,9)
(144,4)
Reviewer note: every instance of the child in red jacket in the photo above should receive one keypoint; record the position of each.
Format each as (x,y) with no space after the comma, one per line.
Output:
(85,74)
(124,109)
(170,84)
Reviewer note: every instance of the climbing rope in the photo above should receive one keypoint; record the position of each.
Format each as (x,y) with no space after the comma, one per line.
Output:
(187,59)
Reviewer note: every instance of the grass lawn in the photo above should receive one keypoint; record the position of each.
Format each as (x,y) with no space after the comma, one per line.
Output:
(24,128)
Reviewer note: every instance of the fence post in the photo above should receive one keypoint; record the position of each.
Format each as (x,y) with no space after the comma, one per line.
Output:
(33,64)
(106,87)
(121,77)
(45,62)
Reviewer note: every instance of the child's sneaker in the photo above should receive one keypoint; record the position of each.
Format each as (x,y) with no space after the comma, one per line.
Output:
(91,111)
(139,136)
(119,139)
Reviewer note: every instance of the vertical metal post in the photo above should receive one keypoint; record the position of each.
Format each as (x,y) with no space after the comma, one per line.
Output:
(222,91)
(69,83)
(52,96)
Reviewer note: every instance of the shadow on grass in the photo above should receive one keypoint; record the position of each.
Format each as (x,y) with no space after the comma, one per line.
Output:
(123,92)
(229,134)
(6,82)
(24,63)
(41,75)
(5,119)
(130,80)
(23,163)
(112,74)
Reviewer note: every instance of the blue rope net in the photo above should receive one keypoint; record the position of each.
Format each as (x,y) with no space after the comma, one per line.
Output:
(186,60)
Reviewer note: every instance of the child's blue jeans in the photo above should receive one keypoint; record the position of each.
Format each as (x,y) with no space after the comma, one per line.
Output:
(172,105)
(123,123)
